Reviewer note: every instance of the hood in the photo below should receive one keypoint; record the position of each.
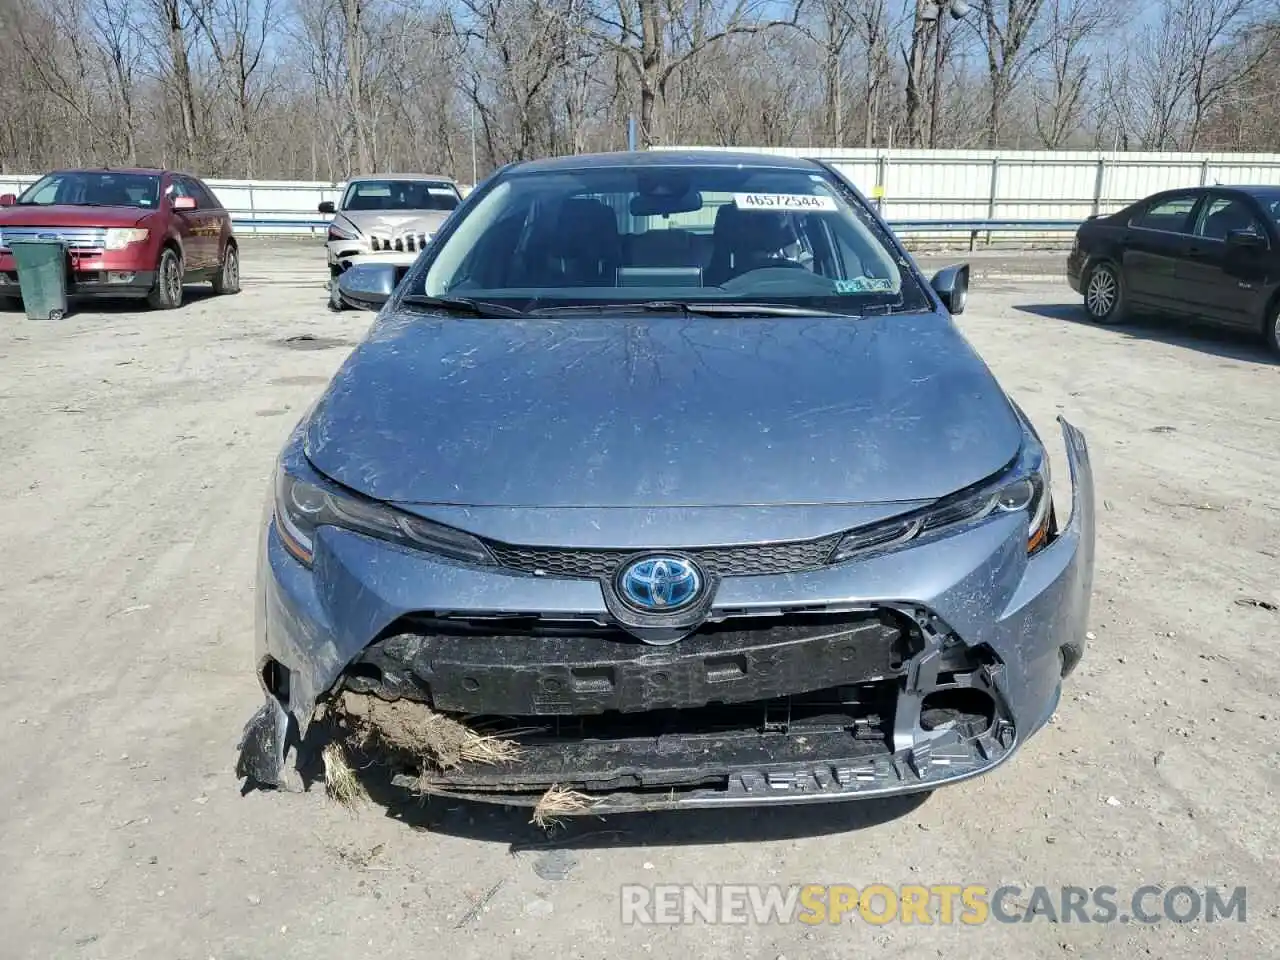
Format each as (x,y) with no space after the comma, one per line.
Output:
(394,222)
(59,215)
(661,412)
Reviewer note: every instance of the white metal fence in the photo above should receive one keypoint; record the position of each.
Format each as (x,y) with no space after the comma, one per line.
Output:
(1022,195)
(1026,194)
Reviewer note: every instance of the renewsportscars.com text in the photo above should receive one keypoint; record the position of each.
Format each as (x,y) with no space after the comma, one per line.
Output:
(945,903)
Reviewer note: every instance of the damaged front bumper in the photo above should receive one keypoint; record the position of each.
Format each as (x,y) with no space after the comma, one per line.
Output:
(889,674)
(343,255)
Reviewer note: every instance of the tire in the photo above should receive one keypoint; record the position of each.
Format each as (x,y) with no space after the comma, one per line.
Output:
(10,304)
(227,279)
(335,301)
(167,293)
(1271,328)
(1105,299)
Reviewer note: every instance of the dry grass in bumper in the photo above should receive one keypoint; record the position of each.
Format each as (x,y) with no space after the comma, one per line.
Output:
(403,731)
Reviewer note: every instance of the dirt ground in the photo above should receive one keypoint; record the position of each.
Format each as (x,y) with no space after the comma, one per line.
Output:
(136,454)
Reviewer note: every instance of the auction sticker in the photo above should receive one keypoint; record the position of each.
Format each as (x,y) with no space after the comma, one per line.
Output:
(783,201)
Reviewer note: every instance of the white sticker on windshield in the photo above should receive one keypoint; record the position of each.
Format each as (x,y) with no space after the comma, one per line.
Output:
(440,191)
(783,201)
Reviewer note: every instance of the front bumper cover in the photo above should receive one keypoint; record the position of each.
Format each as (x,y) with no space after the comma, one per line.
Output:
(974,592)
(344,254)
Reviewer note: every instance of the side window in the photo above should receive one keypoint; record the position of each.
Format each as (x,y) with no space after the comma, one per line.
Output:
(1169,215)
(204,196)
(47,194)
(177,188)
(1224,214)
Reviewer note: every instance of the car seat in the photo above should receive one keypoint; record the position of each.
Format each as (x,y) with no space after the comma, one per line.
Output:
(743,241)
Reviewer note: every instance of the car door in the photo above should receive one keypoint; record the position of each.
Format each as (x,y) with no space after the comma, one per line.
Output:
(200,228)
(1225,280)
(220,226)
(1157,241)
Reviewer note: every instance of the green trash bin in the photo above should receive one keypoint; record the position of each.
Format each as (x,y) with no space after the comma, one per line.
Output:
(42,277)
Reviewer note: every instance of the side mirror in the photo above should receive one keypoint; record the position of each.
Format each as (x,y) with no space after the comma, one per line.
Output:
(951,284)
(1247,239)
(367,286)
(327,207)
(184,203)
(7,199)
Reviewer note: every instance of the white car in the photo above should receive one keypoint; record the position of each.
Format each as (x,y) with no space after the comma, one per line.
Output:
(389,218)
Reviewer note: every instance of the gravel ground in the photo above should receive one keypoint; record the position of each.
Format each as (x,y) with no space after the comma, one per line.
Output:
(137,453)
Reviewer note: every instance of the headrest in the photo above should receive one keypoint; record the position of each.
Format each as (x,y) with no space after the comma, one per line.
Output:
(585,228)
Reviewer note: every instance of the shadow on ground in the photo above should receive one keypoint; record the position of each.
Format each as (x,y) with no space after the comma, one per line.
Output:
(1234,344)
(190,294)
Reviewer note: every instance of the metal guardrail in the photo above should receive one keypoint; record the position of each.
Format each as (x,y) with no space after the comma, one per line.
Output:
(903,226)
(985,226)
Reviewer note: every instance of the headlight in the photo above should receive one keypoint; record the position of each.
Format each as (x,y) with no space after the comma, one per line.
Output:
(302,507)
(1024,489)
(341,233)
(120,237)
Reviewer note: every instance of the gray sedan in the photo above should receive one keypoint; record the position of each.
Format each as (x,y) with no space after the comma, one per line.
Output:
(664,480)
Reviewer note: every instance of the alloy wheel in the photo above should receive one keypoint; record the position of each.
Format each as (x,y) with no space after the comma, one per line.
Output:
(231,269)
(172,279)
(1101,295)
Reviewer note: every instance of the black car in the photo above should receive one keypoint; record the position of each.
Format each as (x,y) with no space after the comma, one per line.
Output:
(1211,253)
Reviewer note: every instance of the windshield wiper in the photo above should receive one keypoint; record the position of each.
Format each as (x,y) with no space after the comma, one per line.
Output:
(700,309)
(475,308)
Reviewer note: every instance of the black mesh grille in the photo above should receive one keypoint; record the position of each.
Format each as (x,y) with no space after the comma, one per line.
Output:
(745,561)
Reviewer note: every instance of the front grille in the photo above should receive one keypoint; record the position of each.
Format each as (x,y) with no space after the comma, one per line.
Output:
(403,243)
(744,561)
(77,238)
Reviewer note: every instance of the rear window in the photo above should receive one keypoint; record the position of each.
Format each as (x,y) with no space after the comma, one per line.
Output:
(1170,215)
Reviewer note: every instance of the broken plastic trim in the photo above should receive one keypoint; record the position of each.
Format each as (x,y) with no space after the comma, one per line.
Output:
(930,739)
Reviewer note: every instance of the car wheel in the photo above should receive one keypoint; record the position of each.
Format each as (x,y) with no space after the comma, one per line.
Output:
(335,301)
(227,279)
(167,293)
(1272,328)
(1104,295)
(10,303)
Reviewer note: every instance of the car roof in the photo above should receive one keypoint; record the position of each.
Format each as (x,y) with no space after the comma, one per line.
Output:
(668,158)
(148,171)
(434,177)
(1270,191)
(1255,190)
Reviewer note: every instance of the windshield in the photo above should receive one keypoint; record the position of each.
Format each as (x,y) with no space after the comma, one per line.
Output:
(1271,204)
(400,195)
(689,234)
(94,188)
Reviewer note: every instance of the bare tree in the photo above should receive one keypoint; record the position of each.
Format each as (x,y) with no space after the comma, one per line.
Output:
(832,26)
(873,31)
(1071,25)
(1007,30)
(657,37)
(173,22)
(237,32)
(1183,65)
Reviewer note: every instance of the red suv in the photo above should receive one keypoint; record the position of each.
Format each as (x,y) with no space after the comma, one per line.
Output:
(137,232)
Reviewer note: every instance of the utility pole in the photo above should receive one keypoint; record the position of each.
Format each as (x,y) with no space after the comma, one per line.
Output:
(931,10)
(474,166)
